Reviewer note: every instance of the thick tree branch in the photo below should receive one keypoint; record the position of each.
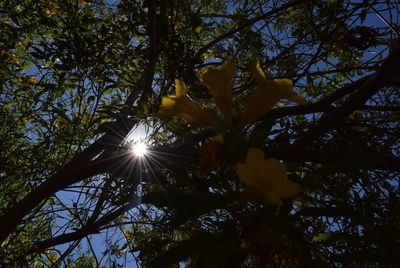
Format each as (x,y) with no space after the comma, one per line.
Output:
(366,90)
(88,229)
(64,177)
(246,24)
(82,166)
(323,105)
(383,162)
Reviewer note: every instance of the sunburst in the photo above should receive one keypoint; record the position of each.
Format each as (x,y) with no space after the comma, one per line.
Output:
(139,149)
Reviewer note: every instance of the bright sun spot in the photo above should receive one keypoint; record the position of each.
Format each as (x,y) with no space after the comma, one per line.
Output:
(139,148)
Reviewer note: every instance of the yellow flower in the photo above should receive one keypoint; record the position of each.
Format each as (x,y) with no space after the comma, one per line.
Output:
(182,106)
(266,94)
(266,177)
(219,83)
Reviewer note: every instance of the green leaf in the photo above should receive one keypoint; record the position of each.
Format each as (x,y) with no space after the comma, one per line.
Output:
(91,98)
(335,237)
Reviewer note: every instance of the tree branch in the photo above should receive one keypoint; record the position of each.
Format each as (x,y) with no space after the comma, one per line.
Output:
(88,229)
(370,85)
(82,166)
(246,24)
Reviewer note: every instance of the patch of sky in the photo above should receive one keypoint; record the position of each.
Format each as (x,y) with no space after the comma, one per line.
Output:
(70,205)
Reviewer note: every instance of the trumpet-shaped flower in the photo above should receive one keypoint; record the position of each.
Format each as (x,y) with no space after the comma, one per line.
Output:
(219,83)
(266,94)
(182,106)
(266,177)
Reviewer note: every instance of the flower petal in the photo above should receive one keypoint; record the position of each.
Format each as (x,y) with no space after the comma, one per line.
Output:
(168,102)
(229,68)
(287,188)
(275,168)
(181,105)
(257,104)
(249,172)
(167,107)
(266,94)
(219,83)
(267,177)
(180,88)
(274,199)
(255,156)
(187,109)
(244,172)
(298,99)
(257,72)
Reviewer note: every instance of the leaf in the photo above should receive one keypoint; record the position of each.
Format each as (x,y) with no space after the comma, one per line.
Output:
(91,98)
(335,237)
(4,243)
(322,237)
(83,2)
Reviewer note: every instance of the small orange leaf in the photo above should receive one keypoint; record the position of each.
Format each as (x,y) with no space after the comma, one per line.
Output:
(52,9)
(54,257)
(31,80)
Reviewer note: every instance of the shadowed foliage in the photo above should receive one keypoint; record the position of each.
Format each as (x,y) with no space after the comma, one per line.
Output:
(272,130)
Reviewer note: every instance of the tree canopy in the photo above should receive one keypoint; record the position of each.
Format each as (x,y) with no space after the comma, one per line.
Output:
(272,132)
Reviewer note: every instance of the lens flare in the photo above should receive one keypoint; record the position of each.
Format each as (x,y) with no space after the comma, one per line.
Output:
(139,149)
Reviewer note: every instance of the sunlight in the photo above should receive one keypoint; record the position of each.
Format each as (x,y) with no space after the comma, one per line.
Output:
(139,149)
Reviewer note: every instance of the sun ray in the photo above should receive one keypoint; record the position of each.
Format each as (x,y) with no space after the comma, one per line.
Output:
(139,149)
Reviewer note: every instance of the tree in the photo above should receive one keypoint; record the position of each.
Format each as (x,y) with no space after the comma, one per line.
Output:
(243,169)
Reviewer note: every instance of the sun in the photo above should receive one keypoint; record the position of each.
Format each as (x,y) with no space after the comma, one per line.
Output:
(139,149)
